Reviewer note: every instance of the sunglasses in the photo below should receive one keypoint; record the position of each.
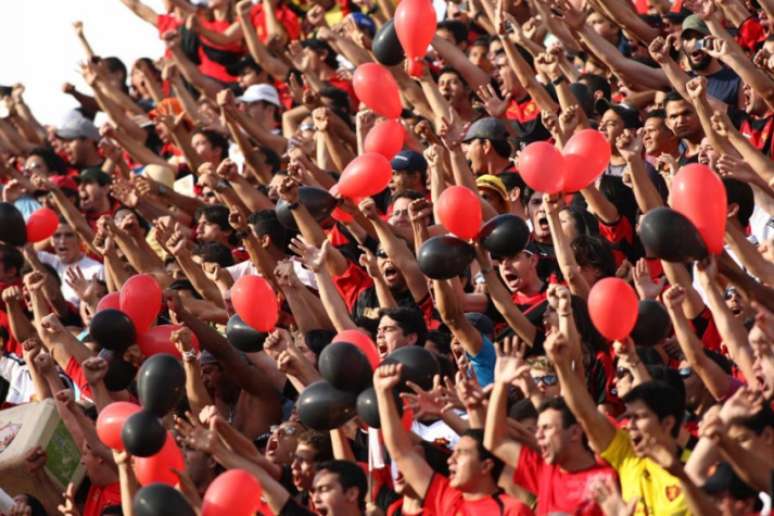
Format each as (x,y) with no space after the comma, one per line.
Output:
(547,380)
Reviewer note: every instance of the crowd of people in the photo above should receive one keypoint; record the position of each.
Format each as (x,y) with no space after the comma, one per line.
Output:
(491,387)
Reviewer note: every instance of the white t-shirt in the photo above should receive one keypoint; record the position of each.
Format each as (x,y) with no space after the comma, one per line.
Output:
(89,267)
(306,277)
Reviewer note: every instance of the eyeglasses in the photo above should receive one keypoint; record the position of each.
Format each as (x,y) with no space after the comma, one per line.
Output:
(547,380)
(283,431)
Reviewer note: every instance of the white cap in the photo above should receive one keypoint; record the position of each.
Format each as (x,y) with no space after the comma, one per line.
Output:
(160,174)
(75,125)
(260,92)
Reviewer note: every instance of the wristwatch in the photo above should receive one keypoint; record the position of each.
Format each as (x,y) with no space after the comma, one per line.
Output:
(190,355)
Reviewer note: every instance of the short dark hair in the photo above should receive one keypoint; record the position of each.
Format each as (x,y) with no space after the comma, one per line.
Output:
(595,252)
(477,434)
(54,163)
(216,139)
(265,222)
(408,194)
(320,441)
(114,64)
(453,71)
(660,398)
(596,83)
(11,258)
(558,403)
(655,113)
(522,409)
(759,421)
(457,28)
(674,96)
(350,475)
(215,214)
(410,320)
(512,180)
(741,194)
(214,252)
(319,46)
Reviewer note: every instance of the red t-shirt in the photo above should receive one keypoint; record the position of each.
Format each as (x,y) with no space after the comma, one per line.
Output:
(621,237)
(558,491)
(100,497)
(355,279)
(75,372)
(444,499)
(285,16)
(522,111)
(209,67)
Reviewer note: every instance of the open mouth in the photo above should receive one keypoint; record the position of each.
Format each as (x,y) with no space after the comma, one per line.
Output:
(543,222)
(271,447)
(390,273)
(381,347)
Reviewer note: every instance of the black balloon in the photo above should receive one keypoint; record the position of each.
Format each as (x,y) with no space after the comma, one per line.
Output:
(13,229)
(243,336)
(112,329)
(386,46)
(160,383)
(445,257)
(323,407)
(317,201)
(652,325)
(419,366)
(368,408)
(143,434)
(345,367)
(669,235)
(120,373)
(160,500)
(504,236)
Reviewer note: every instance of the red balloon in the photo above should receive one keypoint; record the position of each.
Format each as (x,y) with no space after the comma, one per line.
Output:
(699,194)
(111,420)
(541,165)
(141,301)
(361,341)
(592,153)
(157,340)
(158,468)
(235,492)
(415,24)
(460,211)
(375,86)
(110,300)
(255,302)
(613,307)
(386,138)
(41,224)
(366,175)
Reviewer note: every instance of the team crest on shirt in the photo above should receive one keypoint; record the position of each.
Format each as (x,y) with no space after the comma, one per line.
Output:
(672,492)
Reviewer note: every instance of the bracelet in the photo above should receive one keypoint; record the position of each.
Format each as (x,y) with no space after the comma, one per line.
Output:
(292,206)
(486,271)
(559,80)
(190,355)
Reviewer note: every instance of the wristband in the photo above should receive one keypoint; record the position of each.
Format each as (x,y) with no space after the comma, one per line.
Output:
(559,80)
(190,356)
(292,206)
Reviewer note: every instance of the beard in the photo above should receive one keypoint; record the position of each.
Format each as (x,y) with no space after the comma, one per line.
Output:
(701,65)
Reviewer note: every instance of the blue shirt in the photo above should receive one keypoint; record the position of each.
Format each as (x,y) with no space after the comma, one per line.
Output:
(484,363)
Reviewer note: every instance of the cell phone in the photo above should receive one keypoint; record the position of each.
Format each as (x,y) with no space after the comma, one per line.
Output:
(5,91)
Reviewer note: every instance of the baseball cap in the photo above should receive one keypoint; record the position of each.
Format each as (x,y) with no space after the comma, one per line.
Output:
(487,128)
(630,117)
(693,22)
(482,323)
(260,93)
(364,23)
(409,161)
(160,174)
(493,183)
(75,125)
(94,175)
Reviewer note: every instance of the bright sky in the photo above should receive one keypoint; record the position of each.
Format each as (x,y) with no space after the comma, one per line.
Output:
(41,51)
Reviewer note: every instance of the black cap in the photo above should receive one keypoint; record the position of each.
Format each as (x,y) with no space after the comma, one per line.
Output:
(630,117)
(487,128)
(482,323)
(409,161)
(724,479)
(94,175)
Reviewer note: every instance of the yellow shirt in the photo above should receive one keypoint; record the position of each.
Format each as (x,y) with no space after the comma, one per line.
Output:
(660,493)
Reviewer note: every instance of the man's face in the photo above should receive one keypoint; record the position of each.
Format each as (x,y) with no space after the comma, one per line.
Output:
(476,155)
(451,87)
(330,498)
(400,214)
(312,61)
(603,27)
(35,164)
(209,231)
(479,56)
(494,199)
(552,438)
(212,374)
(204,148)
(248,77)
(66,245)
(682,119)
(303,467)
(465,465)
(657,137)
(538,217)
(505,78)
(752,102)
(392,276)
(447,35)
(390,336)
(517,271)
(611,125)
(282,443)
(698,60)
(405,180)
(77,151)
(569,224)
(643,423)
(91,195)
(262,112)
